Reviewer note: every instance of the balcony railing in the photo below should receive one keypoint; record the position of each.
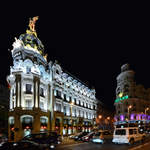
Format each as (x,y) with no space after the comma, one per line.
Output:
(28,92)
(27,108)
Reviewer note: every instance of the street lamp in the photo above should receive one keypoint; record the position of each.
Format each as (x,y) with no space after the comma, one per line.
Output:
(100,116)
(129,107)
(108,118)
(146,109)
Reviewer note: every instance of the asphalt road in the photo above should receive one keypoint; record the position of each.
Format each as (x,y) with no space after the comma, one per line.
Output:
(106,146)
(93,146)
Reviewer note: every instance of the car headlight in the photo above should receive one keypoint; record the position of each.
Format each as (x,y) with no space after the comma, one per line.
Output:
(52,146)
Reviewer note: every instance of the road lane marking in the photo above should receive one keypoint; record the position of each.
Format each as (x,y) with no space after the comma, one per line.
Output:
(69,145)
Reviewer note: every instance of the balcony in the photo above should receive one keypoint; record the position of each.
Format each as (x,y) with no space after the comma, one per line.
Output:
(28,92)
(42,95)
(27,108)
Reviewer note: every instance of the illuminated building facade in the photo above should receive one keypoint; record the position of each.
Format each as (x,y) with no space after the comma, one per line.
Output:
(132,101)
(42,95)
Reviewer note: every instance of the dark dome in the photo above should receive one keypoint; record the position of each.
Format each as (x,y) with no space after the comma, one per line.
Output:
(30,39)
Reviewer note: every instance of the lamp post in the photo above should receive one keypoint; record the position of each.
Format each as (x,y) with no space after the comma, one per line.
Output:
(129,107)
(100,117)
(108,119)
(146,109)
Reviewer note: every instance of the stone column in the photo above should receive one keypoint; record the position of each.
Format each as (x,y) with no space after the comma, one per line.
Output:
(18,90)
(36,123)
(18,128)
(48,107)
(36,92)
(52,118)
(61,126)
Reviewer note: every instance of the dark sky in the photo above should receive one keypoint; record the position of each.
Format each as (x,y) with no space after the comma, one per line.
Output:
(88,40)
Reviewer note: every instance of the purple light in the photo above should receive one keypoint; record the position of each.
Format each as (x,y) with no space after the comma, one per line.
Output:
(143,116)
(148,117)
(122,117)
(138,117)
(132,116)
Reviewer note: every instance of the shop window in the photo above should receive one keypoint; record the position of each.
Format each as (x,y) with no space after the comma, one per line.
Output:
(43,121)
(27,122)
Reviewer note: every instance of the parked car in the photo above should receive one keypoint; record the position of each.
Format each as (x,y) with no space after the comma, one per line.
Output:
(22,145)
(88,137)
(79,136)
(3,139)
(45,140)
(128,135)
(74,135)
(102,136)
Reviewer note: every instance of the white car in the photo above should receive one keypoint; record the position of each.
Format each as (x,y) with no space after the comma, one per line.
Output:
(101,136)
(127,135)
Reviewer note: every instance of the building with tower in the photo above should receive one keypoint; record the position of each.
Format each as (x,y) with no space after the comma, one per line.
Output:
(132,101)
(43,96)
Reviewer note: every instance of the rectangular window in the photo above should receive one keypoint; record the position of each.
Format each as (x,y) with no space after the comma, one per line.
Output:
(58,107)
(28,103)
(130,131)
(28,89)
(120,132)
(65,97)
(65,110)
(58,94)
(28,70)
(42,92)
(41,105)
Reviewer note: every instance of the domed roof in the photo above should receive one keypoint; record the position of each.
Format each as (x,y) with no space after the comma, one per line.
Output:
(30,38)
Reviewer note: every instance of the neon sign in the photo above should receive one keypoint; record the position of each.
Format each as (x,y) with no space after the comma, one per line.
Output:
(121,98)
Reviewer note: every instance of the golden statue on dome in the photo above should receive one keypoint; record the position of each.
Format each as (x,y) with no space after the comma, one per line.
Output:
(32,26)
(32,23)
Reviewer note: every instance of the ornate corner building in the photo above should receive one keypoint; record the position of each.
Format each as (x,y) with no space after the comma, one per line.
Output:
(132,101)
(43,96)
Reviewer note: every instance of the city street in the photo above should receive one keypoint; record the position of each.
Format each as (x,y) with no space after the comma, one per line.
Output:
(93,146)
(107,146)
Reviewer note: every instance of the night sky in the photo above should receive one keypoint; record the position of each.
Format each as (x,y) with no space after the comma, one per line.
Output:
(89,41)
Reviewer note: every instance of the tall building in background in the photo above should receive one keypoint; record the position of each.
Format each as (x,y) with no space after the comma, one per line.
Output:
(43,96)
(132,101)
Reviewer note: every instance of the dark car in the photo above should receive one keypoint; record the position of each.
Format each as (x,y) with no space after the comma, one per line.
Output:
(79,137)
(44,140)
(22,145)
(88,137)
